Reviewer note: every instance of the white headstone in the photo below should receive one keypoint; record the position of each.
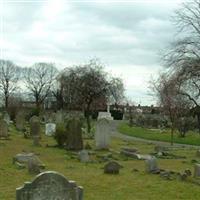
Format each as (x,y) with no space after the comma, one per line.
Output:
(102,134)
(50,129)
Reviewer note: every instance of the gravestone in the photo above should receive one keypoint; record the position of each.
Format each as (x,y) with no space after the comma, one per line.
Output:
(50,129)
(20,121)
(151,165)
(7,118)
(59,117)
(36,140)
(35,126)
(84,156)
(198,153)
(24,158)
(102,135)
(74,140)
(3,128)
(33,166)
(112,168)
(50,186)
(197,170)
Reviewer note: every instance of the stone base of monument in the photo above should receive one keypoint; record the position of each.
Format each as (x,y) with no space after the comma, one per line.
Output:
(105,115)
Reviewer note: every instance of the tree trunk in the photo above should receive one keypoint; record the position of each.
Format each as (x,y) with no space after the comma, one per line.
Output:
(6,102)
(88,118)
(172,134)
(198,121)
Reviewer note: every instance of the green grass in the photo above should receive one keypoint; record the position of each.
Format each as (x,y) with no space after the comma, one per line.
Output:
(192,138)
(127,185)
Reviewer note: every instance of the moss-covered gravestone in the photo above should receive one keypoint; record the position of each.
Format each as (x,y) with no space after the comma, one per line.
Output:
(35,126)
(20,121)
(3,128)
(50,186)
(74,140)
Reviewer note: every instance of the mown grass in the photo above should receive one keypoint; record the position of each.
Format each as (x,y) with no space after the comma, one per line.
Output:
(127,185)
(192,138)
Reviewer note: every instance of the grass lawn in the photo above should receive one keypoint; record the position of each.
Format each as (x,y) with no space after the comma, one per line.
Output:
(191,137)
(127,185)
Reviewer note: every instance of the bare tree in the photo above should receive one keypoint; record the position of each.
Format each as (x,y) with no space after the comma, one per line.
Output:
(183,58)
(9,76)
(39,79)
(172,102)
(116,91)
(85,84)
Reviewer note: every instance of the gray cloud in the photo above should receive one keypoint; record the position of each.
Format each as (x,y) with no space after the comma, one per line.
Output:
(125,36)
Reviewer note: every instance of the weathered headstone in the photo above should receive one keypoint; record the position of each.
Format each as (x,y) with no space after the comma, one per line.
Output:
(198,153)
(36,140)
(33,166)
(50,186)
(151,165)
(23,158)
(59,117)
(84,156)
(102,135)
(7,118)
(74,134)
(197,170)
(3,128)
(20,121)
(50,129)
(112,168)
(35,126)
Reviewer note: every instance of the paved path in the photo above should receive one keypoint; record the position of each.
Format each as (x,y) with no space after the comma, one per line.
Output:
(116,133)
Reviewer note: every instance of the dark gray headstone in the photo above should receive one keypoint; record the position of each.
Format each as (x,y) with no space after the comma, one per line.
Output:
(3,128)
(35,126)
(112,168)
(50,186)
(20,121)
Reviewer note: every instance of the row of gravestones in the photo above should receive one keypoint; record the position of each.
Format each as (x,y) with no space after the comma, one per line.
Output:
(102,133)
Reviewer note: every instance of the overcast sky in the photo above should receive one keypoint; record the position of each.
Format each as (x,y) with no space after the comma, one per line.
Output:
(127,36)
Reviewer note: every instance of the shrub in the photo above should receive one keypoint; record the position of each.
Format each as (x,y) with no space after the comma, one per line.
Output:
(60,134)
(117,114)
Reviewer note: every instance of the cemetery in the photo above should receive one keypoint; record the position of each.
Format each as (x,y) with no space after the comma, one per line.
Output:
(104,166)
(99,100)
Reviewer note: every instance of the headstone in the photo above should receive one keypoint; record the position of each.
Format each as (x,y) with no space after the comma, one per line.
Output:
(7,118)
(36,140)
(74,139)
(24,158)
(102,134)
(20,121)
(197,170)
(59,117)
(112,168)
(3,128)
(50,129)
(33,166)
(151,165)
(84,156)
(35,126)
(50,186)
(198,153)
